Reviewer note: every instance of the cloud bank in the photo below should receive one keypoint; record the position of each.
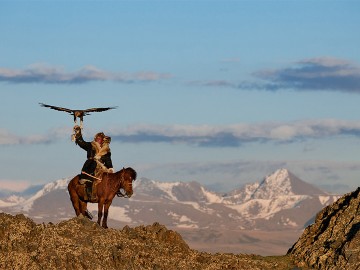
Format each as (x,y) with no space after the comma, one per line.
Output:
(237,134)
(209,136)
(41,73)
(9,138)
(315,74)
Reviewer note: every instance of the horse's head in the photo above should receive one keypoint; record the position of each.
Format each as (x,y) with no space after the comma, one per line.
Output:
(128,175)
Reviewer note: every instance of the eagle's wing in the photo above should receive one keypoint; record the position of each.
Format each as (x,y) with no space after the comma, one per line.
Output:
(99,109)
(57,108)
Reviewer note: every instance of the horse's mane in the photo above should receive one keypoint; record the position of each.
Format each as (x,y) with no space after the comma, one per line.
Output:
(129,170)
(132,172)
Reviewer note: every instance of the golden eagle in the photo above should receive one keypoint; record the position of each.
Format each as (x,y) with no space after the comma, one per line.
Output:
(77,113)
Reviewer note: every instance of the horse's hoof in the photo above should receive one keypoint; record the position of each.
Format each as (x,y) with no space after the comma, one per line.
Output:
(88,214)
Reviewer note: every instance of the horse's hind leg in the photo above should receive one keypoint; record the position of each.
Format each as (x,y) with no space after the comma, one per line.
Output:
(75,202)
(83,207)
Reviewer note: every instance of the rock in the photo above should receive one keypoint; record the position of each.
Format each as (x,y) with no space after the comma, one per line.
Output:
(333,241)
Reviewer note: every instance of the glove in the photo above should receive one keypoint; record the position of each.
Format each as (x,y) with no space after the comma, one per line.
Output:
(77,133)
(77,129)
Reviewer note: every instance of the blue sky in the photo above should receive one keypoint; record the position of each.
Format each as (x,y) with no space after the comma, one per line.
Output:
(219,92)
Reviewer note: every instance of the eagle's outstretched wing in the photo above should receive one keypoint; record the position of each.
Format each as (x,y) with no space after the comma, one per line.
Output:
(77,113)
(57,108)
(98,109)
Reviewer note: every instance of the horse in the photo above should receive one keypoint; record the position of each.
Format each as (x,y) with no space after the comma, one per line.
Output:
(110,185)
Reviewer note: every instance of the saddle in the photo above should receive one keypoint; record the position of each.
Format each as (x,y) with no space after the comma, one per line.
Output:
(89,183)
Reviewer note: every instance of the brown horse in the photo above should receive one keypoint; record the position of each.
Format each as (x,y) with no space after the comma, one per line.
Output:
(110,185)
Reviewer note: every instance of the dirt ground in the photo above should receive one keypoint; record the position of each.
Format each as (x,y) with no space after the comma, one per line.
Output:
(264,243)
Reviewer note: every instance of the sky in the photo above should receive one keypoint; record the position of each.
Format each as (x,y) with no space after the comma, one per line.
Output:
(218,92)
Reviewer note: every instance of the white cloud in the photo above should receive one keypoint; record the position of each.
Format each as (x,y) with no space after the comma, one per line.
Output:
(233,135)
(9,138)
(43,73)
(238,134)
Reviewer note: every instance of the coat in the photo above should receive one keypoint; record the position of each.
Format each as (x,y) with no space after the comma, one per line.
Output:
(90,149)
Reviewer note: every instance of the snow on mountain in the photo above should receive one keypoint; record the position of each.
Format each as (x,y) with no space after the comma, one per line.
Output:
(278,191)
(326,200)
(282,182)
(11,201)
(26,205)
(180,192)
(273,185)
(240,195)
(266,208)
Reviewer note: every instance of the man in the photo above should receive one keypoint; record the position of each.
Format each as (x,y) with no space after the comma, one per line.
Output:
(93,149)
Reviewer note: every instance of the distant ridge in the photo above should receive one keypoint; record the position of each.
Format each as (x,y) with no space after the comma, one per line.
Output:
(280,202)
(263,205)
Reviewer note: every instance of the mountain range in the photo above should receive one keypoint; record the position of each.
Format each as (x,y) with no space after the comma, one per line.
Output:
(281,202)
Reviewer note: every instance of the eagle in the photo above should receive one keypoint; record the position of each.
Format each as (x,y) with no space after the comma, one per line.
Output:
(77,113)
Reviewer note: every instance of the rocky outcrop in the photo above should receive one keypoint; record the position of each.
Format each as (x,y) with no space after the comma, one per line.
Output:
(81,244)
(333,241)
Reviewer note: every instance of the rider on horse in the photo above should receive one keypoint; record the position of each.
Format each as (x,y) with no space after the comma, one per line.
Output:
(98,154)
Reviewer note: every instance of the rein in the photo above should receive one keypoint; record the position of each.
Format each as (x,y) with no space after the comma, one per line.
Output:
(119,193)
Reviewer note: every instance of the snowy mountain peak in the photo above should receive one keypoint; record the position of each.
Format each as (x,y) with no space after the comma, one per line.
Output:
(276,184)
(176,191)
(280,200)
(278,176)
(48,188)
(283,182)
(58,184)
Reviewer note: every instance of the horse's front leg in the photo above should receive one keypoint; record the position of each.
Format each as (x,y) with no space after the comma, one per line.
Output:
(106,212)
(100,210)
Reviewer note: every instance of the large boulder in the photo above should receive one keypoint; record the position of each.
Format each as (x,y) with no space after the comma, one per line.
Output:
(333,241)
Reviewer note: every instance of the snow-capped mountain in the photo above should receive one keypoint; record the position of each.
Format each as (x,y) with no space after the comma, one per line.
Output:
(279,201)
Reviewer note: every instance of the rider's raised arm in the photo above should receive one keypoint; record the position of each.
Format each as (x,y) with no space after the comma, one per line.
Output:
(79,140)
(83,144)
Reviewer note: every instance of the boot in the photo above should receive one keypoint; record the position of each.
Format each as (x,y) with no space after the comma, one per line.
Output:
(88,191)
(91,191)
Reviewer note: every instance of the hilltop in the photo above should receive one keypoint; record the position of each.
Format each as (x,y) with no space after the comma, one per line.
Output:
(81,244)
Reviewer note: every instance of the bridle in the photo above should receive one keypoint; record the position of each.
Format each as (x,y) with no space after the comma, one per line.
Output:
(119,193)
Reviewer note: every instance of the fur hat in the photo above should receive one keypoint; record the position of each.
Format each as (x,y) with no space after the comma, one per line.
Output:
(100,134)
